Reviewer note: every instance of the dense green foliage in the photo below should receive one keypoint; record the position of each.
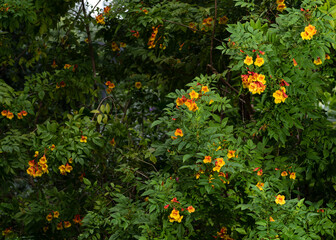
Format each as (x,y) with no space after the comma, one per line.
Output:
(167,119)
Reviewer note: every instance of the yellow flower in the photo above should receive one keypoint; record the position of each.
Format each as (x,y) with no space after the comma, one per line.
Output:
(216,169)
(231,154)
(59,226)
(259,61)
(191,209)
(68,168)
(211,101)
(327,57)
(223,20)
(292,176)
(52,147)
(10,115)
(49,217)
(175,216)
(305,36)
(67,224)
(280,199)
(83,139)
(271,219)
(260,186)
(280,95)
(318,61)
(178,132)
(193,95)
(284,174)
(138,85)
(281,7)
(205,89)
(280,1)
(70,160)
(56,214)
(45,229)
(115,47)
(219,162)
(67,66)
(311,30)
(248,60)
(207,159)
(122,44)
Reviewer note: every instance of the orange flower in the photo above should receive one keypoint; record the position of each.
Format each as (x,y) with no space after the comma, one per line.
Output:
(107,10)
(271,219)
(19,116)
(260,172)
(4,113)
(62,169)
(68,168)
(175,216)
(83,139)
(10,115)
(59,226)
(192,26)
(294,63)
(100,19)
(113,142)
(205,89)
(281,7)
(24,113)
(56,214)
(292,176)
(318,61)
(115,47)
(231,154)
(45,229)
(193,95)
(191,209)
(49,217)
(223,20)
(67,66)
(54,65)
(52,147)
(284,174)
(67,224)
(70,160)
(178,132)
(207,159)
(280,199)
(122,44)
(219,162)
(260,186)
(259,61)
(138,85)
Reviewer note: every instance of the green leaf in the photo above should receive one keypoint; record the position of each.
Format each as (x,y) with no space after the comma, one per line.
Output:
(86,181)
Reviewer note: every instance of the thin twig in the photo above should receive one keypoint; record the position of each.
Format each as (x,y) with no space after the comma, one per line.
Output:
(213,33)
(101,102)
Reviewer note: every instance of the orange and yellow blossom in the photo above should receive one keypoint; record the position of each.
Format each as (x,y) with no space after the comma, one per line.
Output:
(62,169)
(280,95)
(68,168)
(223,20)
(193,95)
(67,66)
(49,217)
(59,226)
(207,159)
(318,61)
(138,85)
(191,209)
(271,219)
(178,132)
(231,154)
(260,186)
(56,214)
(248,60)
(4,113)
(284,174)
(83,139)
(175,216)
(191,105)
(280,199)
(294,63)
(292,175)
(205,89)
(100,19)
(115,47)
(259,61)
(10,115)
(309,32)
(281,7)
(219,162)
(19,116)
(67,224)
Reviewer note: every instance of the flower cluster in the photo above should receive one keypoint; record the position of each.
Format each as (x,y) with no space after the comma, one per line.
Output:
(223,234)
(78,219)
(38,169)
(223,20)
(62,84)
(190,103)
(83,139)
(308,33)
(281,5)
(207,22)
(10,115)
(259,61)
(7,231)
(254,82)
(175,214)
(135,33)
(115,47)
(110,86)
(50,216)
(100,19)
(151,40)
(292,175)
(64,169)
(192,26)
(59,226)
